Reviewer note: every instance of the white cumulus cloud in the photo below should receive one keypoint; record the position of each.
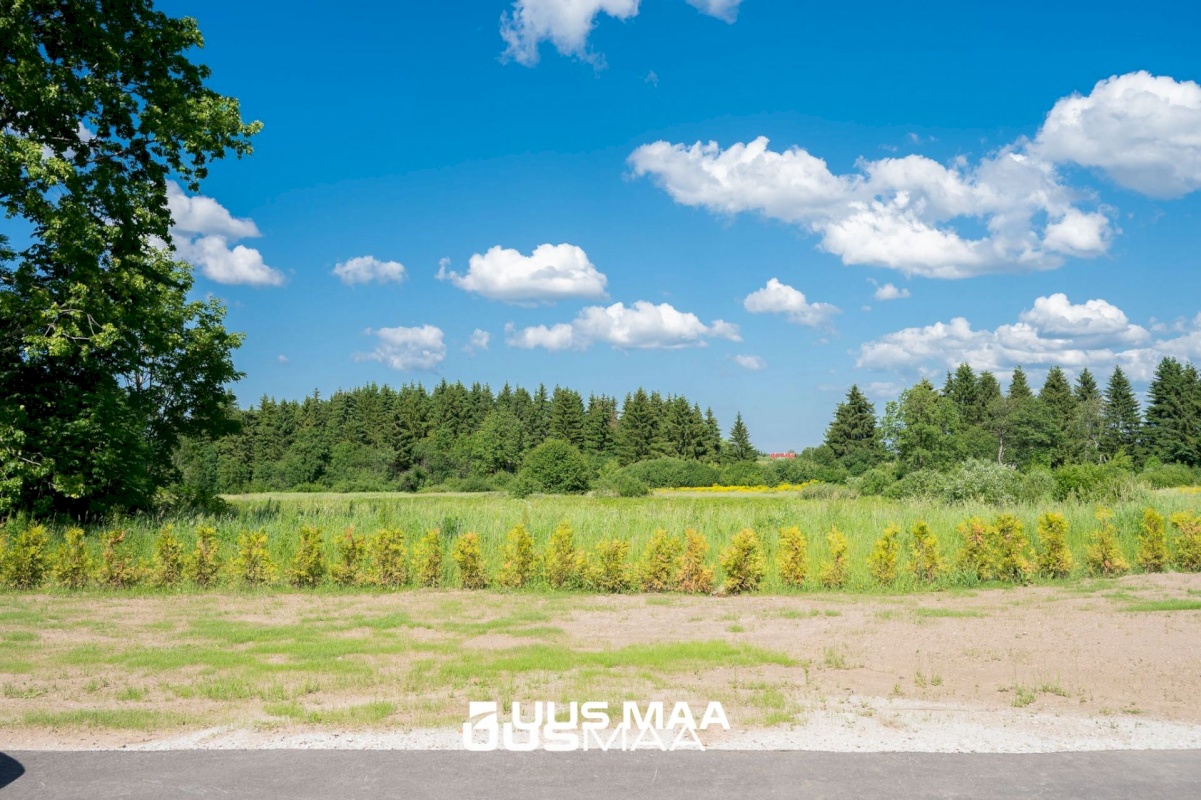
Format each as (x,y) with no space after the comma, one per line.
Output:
(1142,130)
(640,326)
(478,340)
(197,214)
(203,231)
(365,269)
(407,349)
(564,23)
(550,273)
(780,298)
(722,9)
(890,292)
(753,363)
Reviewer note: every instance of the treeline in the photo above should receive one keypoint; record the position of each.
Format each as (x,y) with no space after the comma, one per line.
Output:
(377,438)
(1065,428)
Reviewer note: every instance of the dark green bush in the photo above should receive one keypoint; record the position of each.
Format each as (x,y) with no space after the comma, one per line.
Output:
(743,473)
(1167,476)
(673,473)
(555,467)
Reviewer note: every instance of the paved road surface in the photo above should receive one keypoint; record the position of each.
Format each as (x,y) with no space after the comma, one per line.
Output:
(350,775)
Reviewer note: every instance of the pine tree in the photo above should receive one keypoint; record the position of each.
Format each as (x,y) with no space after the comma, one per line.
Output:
(853,436)
(1121,425)
(740,447)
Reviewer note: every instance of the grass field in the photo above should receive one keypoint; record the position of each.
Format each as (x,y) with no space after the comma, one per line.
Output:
(718,517)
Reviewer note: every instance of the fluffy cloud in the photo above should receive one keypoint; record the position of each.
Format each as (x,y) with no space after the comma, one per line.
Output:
(409,349)
(780,298)
(722,9)
(366,269)
(1140,129)
(202,230)
(890,292)
(642,326)
(551,272)
(1053,332)
(564,23)
(912,213)
(753,363)
(478,340)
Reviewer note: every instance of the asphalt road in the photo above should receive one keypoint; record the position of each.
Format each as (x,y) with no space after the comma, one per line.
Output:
(334,775)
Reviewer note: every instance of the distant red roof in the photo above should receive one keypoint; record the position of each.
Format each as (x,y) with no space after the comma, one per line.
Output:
(782,455)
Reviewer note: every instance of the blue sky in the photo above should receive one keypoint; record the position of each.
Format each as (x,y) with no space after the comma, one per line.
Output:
(1027,182)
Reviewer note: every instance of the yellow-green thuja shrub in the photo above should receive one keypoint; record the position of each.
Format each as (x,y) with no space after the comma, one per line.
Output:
(835,571)
(72,562)
(1010,550)
(660,563)
(1055,558)
(518,566)
(925,560)
(204,565)
(607,570)
(792,558)
(23,559)
(1153,542)
(561,561)
(308,566)
(1188,541)
(694,577)
(118,569)
(975,557)
(470,560)
(389,559)
(882,561)
(168,569)
(1104,555)
(347,569)
(743,563)
(427,559)
(253,565)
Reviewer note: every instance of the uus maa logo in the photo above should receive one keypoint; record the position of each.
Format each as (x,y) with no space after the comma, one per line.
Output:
(559,727)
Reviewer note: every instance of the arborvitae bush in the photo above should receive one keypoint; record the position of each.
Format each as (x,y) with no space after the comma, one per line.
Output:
(1055,558)
(742,562)
(347,570)
(205,562)
(1153,542)
(1188,543)
(834,573)
(518,555)
(561,561)
(168,558)
(1104,556)
(389,559)
(23,559)
(660,563)
(792,560)
(118,568)
(925,561)
(1010,550)
(974,557)
(253,565)
(72,562)
(466,554)
(427,559)
(882,561)
(308,562)
(694,576)
(607,569)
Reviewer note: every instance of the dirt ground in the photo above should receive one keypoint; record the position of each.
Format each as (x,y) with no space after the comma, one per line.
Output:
(1113,663)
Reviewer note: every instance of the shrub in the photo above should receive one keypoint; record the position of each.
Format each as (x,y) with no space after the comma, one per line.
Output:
(974,557)
(834,572)
(1010,550)
(742,473)
(1094,482)
(561,561)
(168,558)
(672,473)
(792,560)
(1188,544)
(925,561)
(519,558)
(977,480)
(347,570)
(23,560)
(694,576)
(205,563)
(660,563)
(555,466)
(742,562)
(253,564)
(466,554)
(607,571)
(389,559)
(1055,559)
(629,486)
(1104,556)
(427,559)
(308,562)
(1168,476)
(117,566)
(72,563)
(877,480)
(1153,543)
(882,561)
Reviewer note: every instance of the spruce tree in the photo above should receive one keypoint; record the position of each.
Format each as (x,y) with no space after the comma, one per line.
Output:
(964,390)
(635,428)
(740,447)
(567,417)
(1121,424)
(1060,406)
(1171,422)
(853,436)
